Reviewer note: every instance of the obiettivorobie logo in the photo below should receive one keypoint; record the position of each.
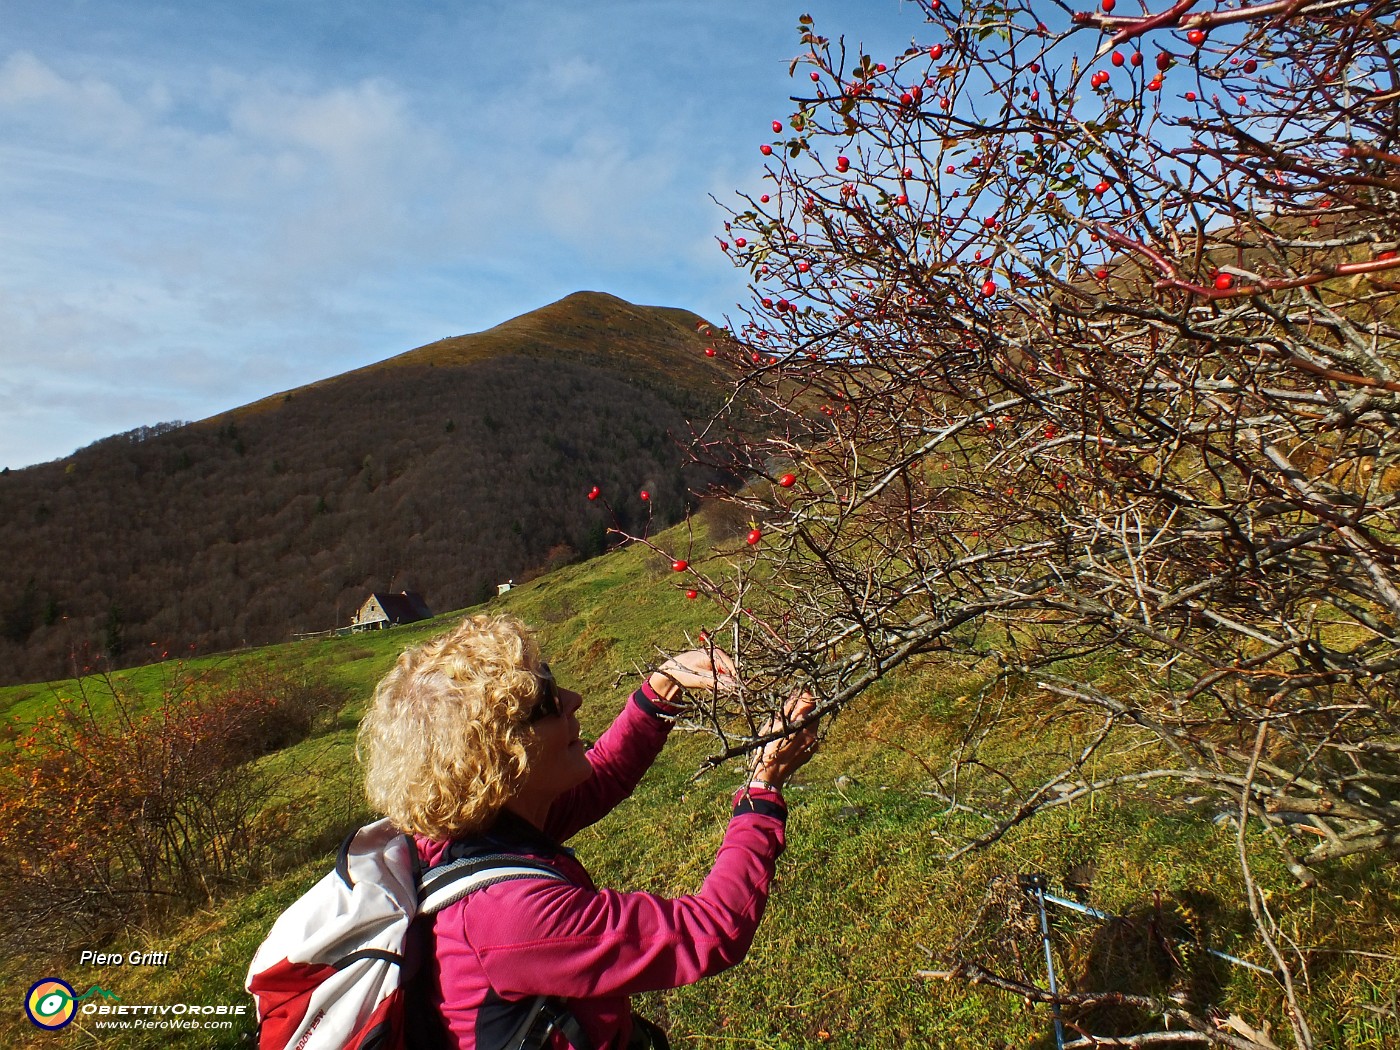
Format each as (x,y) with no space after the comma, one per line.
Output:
(52,1004)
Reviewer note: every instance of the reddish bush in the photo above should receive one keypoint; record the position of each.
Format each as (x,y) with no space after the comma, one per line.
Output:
(110,814)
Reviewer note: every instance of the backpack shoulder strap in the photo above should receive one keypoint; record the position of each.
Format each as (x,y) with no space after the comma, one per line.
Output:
(547,1015)
(445,884)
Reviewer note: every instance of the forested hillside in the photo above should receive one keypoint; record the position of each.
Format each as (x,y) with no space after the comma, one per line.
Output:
(445,470)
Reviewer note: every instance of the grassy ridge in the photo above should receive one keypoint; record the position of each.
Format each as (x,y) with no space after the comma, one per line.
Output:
(861,894)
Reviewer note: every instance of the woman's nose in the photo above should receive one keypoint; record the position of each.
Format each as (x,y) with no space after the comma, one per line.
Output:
(570,701)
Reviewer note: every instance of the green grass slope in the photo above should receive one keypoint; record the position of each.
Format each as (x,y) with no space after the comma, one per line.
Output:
(862,902)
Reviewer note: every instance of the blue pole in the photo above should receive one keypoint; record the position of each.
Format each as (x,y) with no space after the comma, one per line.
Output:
(1084,909)
(1038,884)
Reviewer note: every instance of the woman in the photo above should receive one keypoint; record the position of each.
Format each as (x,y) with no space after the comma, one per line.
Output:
(471,746)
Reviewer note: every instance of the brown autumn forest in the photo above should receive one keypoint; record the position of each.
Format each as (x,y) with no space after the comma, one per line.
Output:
(445,470)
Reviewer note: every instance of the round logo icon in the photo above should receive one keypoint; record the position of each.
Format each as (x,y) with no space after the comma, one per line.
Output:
(50,1003)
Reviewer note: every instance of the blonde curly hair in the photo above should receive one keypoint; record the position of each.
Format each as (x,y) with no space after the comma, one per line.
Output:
(444,740)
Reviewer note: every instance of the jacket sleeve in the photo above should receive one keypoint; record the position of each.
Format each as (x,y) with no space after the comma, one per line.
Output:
(620,758)
(534,937)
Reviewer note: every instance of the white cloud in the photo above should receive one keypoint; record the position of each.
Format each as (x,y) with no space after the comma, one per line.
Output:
(567,74)
(32,89)
(345,123)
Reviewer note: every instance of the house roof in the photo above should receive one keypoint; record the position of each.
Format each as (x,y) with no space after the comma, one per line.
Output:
(404,607)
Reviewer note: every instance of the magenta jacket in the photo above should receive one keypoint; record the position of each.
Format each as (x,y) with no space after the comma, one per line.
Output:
(490,954)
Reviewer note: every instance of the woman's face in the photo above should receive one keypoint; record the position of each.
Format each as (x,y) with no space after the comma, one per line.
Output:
(557,757)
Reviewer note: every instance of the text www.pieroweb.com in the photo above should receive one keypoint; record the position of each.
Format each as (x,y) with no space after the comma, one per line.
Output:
(177,1017)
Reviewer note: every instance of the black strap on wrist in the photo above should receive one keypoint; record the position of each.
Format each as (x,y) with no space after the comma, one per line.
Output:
(762,806)
(650,706)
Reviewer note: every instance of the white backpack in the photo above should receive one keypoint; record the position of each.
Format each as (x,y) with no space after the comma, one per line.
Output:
(331,973)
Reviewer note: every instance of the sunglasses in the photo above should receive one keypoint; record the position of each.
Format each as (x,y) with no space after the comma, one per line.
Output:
(547,706)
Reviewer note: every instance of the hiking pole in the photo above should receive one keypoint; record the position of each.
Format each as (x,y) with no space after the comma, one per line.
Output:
(1104,916)
(1036,884)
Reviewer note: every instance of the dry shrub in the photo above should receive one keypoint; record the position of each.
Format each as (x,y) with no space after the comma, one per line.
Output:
(111,814)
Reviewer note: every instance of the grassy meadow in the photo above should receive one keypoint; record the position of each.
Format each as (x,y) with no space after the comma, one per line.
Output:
(863,901)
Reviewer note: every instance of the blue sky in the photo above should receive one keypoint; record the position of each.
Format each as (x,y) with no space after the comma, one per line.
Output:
(205,203)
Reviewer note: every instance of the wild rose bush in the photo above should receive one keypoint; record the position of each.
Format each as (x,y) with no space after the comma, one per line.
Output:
(1074,339)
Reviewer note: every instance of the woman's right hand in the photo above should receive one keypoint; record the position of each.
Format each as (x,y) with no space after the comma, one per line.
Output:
(779,759)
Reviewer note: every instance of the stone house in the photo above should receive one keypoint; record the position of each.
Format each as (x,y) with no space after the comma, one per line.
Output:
(390,610)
